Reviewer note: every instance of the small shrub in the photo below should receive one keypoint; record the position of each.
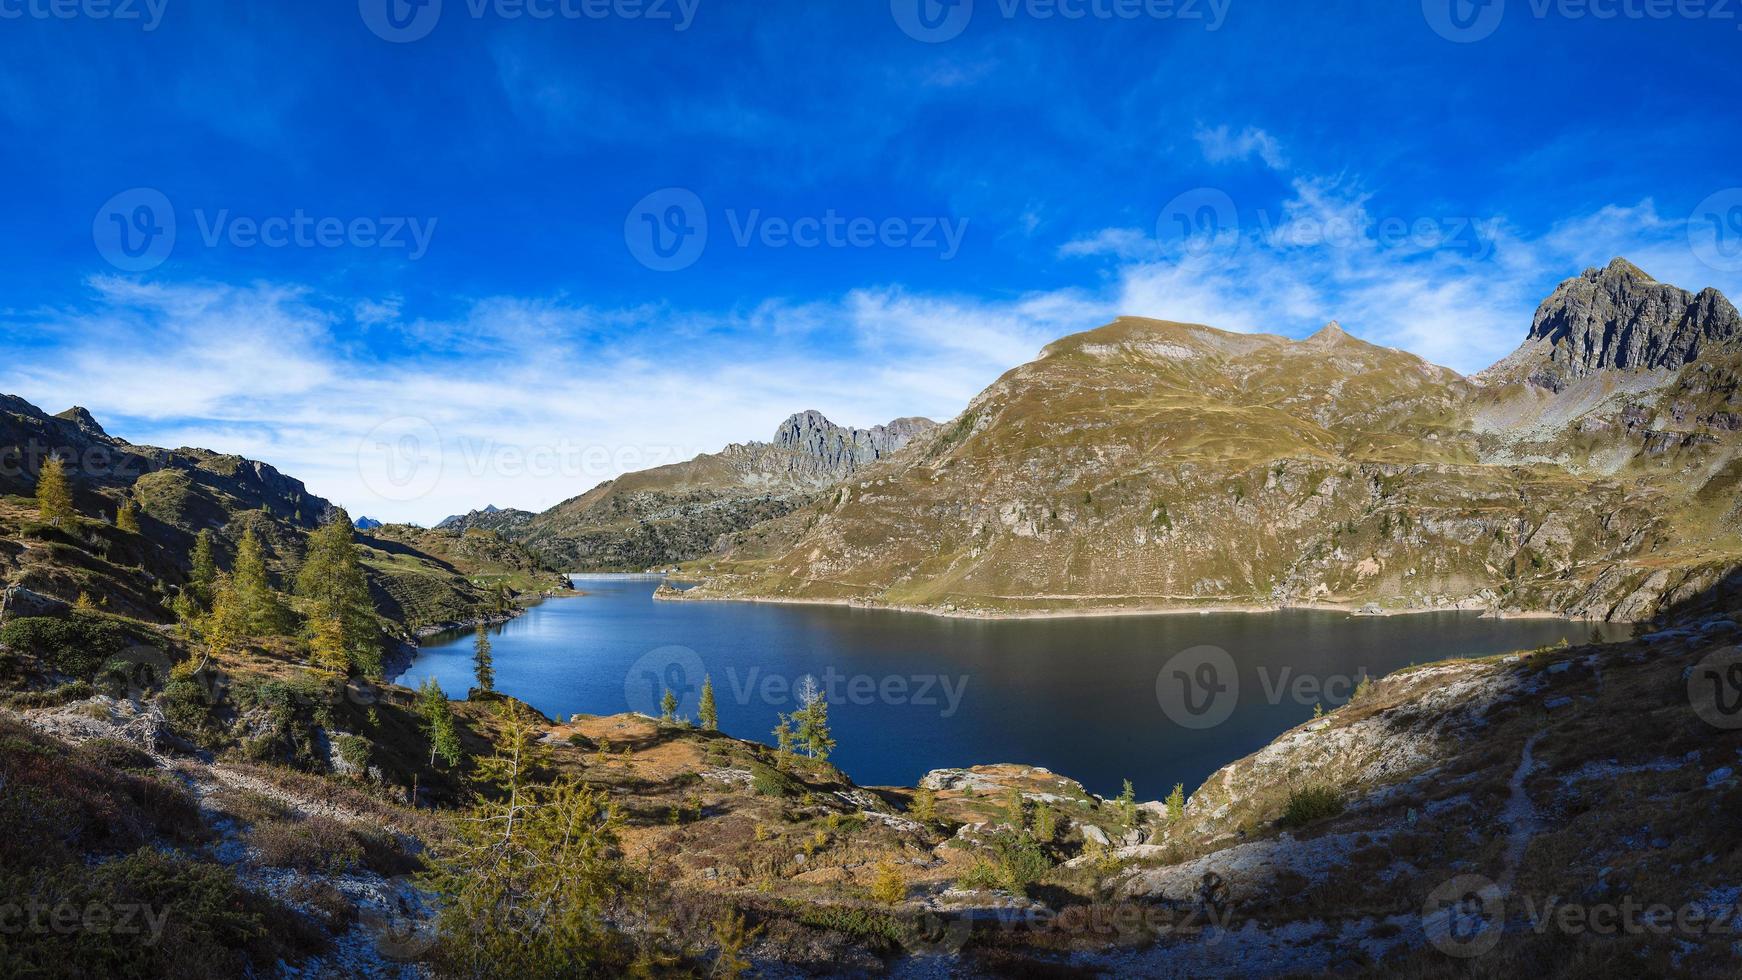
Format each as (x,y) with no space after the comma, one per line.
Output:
(116,754)
(1309,804)
(316,843)
(54,697)
(769,781)
(356,751)
(329,904)
(982,875)
(890,885)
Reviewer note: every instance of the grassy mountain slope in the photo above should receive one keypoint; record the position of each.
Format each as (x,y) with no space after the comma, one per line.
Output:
(419,578)
(1149,463)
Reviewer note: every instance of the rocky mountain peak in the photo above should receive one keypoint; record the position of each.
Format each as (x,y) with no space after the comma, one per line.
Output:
(82,418)
(844,449)
(1618,318)
(1330,333)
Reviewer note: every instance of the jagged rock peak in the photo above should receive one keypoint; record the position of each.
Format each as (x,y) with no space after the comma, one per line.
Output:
(82,418)
(1619,318)
(1330,333)
(811,432)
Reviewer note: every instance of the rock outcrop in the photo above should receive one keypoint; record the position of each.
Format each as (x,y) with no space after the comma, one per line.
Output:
(842,450)
(1619,319)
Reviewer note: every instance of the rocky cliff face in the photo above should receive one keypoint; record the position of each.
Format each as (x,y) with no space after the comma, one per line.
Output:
(842,450)
(1150,464)
(1620,319)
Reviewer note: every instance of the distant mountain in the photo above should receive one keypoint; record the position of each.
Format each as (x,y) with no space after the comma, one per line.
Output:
(491,518)
(682,511)
(1149,463)
(366,523)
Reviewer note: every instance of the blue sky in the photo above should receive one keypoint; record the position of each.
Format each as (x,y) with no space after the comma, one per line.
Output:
(485,315)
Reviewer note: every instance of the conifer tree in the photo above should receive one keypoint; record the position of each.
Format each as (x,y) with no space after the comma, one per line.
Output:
(438,719)
(811,720)
(205,571)
(668,706)
(226,626)
(327,650)
(783,739)
(709,711)
(54,493)
(483,665)
(532,859)
(127,518)
(265,614)
(332,576)
(924,807)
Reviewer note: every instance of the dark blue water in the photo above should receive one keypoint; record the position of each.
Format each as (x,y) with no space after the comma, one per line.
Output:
(1097,699)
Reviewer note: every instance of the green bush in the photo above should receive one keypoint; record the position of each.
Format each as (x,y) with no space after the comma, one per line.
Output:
(356,751)
(190,710)
(878,928)
(1310,803)
(51,698)
(769,781)
(76,645)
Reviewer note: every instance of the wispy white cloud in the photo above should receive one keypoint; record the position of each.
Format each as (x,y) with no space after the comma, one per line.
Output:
(532,411)
(1222,144)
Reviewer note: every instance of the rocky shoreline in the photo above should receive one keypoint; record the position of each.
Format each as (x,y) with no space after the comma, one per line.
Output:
(669,594)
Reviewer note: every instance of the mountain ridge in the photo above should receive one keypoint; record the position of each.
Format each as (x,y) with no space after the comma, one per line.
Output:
(1149,463)
(680,511)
